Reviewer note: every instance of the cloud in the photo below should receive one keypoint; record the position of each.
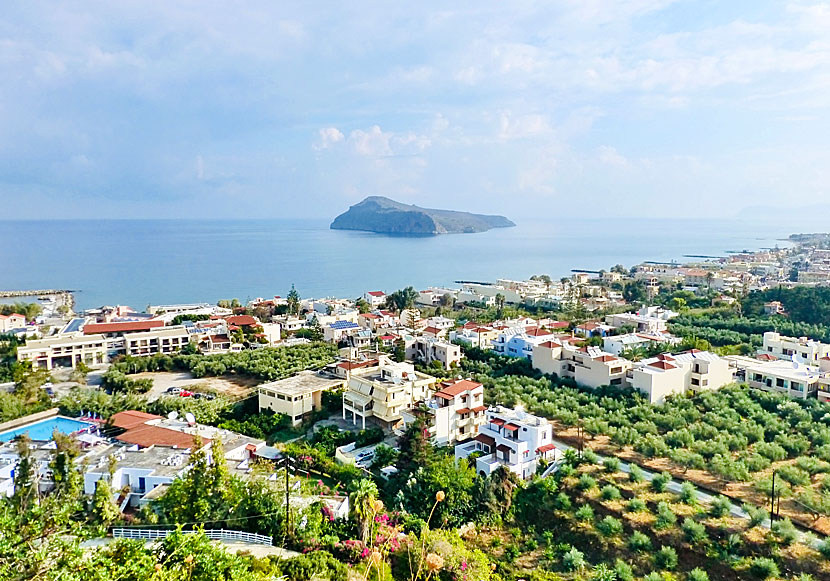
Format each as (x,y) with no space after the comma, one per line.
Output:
(328,137)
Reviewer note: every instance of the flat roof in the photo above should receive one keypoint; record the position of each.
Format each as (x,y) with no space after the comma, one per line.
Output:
(302,383)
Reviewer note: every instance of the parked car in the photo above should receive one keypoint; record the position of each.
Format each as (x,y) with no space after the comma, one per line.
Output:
(174,390)
(185,393)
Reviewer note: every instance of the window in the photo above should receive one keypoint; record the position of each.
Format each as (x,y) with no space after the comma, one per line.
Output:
(779,382)
(617,381)
(298,418)
(695,381)
(615,370)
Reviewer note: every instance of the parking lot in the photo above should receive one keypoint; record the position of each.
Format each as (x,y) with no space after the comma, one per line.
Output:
(162,381)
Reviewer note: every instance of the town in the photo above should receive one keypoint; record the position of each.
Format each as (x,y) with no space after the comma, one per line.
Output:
(608,402)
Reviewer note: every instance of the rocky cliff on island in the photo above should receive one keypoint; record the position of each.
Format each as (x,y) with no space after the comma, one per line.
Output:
(385,216)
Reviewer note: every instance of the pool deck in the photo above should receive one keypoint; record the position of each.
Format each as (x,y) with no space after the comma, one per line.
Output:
(30,419)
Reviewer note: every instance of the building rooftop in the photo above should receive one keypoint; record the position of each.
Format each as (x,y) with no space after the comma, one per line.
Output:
(125,327)
(131,418)
(302,383)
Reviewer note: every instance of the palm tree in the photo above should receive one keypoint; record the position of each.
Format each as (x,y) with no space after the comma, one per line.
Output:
(363,500)
(499,304)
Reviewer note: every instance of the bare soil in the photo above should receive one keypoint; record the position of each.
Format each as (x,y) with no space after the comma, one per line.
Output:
(234,388)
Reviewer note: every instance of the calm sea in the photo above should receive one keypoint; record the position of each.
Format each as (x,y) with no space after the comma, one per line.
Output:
(169,261)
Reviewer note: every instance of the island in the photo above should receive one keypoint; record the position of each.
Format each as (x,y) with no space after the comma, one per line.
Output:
(384,216)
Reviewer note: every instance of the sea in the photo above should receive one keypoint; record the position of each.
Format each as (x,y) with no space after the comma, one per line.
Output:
(144,262)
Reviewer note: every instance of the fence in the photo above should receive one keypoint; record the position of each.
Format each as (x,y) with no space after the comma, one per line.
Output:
(214,534)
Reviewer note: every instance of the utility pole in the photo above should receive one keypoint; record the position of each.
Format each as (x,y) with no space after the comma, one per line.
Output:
(772,498)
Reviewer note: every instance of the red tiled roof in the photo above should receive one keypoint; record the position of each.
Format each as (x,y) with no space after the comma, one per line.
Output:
(462,411)
(546,448)
(605,358)
(242,320)
(497,421)
(131,418)
(123,327)
(146,436)
(219,339)
(665,357)
(662,365)
(536,332)
(485,439)
(559,325)
(18,315)
(511,427)
(376,293)
(453,389)
(768,357)
(388,337)
(357,364)
(432,330)
(550,344)
(369,316)
(480,408)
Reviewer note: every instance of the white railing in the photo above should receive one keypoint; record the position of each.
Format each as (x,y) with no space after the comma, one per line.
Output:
(213,534)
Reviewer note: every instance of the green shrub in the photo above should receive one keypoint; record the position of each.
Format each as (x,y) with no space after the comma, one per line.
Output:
(757,515)
(562,501)
(639,542)
(586,482)
(660,481)
(666,558)
(590,457)
(694,532)
(665,517)
(635,474)
(609,527)
(603,572)
(697,574)
(611,465)
(512,552)
(623,570)
(688,493)
(573,560)
(763,568)
(793,475)
(824,548)
(635,505)
(785,531)
(610,492)
(584,513)
(720,506)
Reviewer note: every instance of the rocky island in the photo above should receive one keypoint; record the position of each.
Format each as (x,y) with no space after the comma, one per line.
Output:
(385,216)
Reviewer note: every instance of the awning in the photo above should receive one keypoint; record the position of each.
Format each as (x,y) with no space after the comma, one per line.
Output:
(480,408)
(503,448)
(497,421)
(511,427)
(462,411)
(546,448)
(485,439)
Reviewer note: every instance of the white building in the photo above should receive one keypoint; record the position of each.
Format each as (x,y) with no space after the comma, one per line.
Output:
(588,366)
(384,393)
(297,396)
(375,299)
(13,321)
(782,347)
(511,438)
(67,350)
(616,344)
(693,371)
(164,340)
(793,379)
(646,320)
(519,341)
(428,349)
(455,413)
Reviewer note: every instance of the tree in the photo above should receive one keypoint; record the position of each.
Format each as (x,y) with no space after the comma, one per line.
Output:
(499,305)
(28,385)
(364,504)
(103,510)
(293,300)
(402,299)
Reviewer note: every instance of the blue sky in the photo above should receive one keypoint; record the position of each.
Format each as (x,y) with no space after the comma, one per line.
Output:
(299,109)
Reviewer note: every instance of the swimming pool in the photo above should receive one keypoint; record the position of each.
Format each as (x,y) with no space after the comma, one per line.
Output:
(42,430)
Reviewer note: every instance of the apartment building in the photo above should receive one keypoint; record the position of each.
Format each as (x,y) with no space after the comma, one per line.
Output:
(589,366)
(782,347)
(646,320)
(616,344)
(297,396)
(166,340)
(429,349)
(13,321)
(384,393)
(690,372)
(793,379)
(474,335)
(68,350)
(375,299)
(454,413)
(518,341)
(517,440)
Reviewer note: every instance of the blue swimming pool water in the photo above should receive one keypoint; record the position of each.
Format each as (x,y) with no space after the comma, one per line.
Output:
(42,430)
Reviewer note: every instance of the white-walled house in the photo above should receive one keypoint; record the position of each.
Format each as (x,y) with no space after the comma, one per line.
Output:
(375,299)
(454,413)
(616,344)
(782,347)
(689,372)
(511,438)
(589,366)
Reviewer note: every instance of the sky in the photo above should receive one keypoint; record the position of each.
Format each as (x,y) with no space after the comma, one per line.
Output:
(603,108)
